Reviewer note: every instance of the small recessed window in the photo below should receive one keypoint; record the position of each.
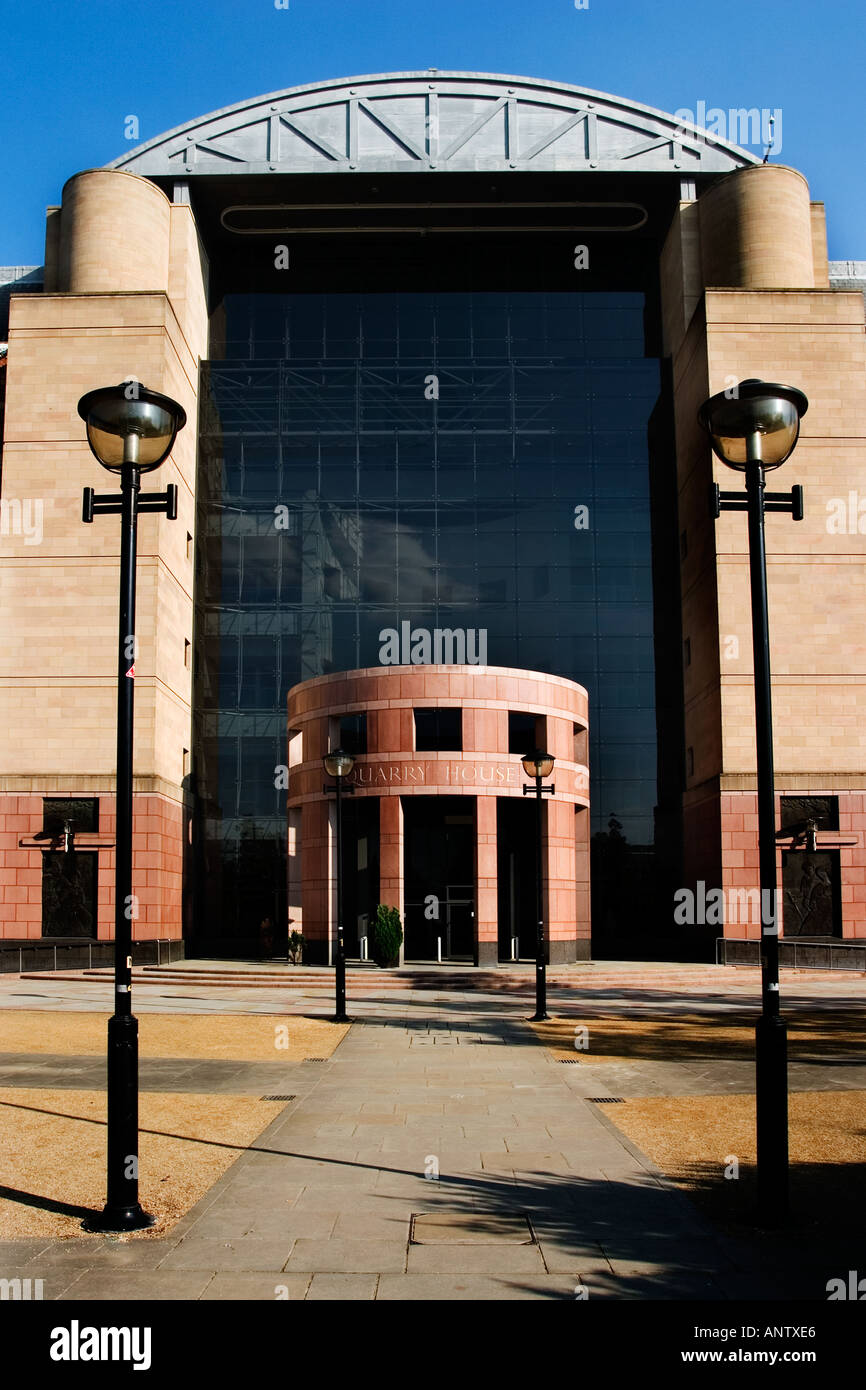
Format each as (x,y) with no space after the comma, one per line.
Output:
(521,732)
(353,733)
(438,730)
(795,811)
(82,811)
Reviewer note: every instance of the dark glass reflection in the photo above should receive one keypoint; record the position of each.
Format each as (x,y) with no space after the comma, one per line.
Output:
(456,460)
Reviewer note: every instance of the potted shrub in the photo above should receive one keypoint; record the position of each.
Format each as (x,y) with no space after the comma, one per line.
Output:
(386,937)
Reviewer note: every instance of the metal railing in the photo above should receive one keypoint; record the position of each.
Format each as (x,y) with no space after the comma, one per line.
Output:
(163,949)
(806,954)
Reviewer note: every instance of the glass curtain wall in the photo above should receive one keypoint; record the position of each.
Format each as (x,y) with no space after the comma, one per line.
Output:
(454,460)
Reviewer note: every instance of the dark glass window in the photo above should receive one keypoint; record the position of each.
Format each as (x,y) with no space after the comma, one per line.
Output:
(515,502)
(83,811)
(796,810)
(353,733)
(438,730)
(521,732)
(258,689)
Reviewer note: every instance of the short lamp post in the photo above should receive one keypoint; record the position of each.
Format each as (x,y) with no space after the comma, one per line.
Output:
(130,431)
(754,428)
(539,765)
(338,765)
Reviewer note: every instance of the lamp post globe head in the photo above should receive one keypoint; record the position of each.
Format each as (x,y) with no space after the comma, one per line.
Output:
(759,421)
(537,763)
(129,425)
(339,763)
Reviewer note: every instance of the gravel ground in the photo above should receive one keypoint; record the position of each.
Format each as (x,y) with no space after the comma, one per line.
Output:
(695,1035)
(694,1140)
(52,1143)
(52,1147)
(236,1038)
(706,1143)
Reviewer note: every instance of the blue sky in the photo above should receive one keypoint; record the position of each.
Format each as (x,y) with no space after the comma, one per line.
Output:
(72,73)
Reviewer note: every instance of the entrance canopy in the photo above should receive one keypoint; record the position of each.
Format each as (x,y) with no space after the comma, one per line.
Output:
(452,121)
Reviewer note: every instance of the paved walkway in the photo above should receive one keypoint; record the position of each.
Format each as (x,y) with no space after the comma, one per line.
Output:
(537,1194)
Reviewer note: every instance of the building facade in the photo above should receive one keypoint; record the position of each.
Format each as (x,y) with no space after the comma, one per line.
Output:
(438,827)
(441,339)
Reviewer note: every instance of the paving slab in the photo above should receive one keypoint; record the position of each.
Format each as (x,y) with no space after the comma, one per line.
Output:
(376,1202)
(103,1252)
(133,1287)
(265,1222)
(479,1228)
(343,1287)
(428,1288)
(583,1263)
(47,1284)
(246,1252)
(257,1288)
(367,1226)
(20,1251)
(475,1259)
(341,1255)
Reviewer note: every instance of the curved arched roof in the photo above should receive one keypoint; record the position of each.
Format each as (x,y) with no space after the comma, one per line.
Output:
(412,121)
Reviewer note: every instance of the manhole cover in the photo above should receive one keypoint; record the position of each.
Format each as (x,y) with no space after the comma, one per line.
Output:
(477,1229)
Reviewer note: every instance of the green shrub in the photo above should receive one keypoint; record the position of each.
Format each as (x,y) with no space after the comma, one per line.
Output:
(296,947)
(387,935)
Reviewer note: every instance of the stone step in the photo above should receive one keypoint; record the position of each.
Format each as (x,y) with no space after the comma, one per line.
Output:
(362,980)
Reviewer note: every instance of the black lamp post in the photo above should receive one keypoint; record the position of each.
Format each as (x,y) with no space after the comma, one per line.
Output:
(753,429)
(338,765)
(131,431)
(539,765)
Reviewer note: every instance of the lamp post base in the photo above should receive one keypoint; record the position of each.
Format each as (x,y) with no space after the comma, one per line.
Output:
(120,1219)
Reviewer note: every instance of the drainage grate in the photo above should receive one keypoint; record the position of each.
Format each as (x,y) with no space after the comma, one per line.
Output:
(278,1097)
(568,1061)
(606,1100)
(315,1059)
(489,1228)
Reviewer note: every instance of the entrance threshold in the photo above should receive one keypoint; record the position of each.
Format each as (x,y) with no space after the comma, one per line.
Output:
(445,964)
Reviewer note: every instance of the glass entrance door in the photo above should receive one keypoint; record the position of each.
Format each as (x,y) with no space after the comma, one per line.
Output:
(438,874)
(459,922)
